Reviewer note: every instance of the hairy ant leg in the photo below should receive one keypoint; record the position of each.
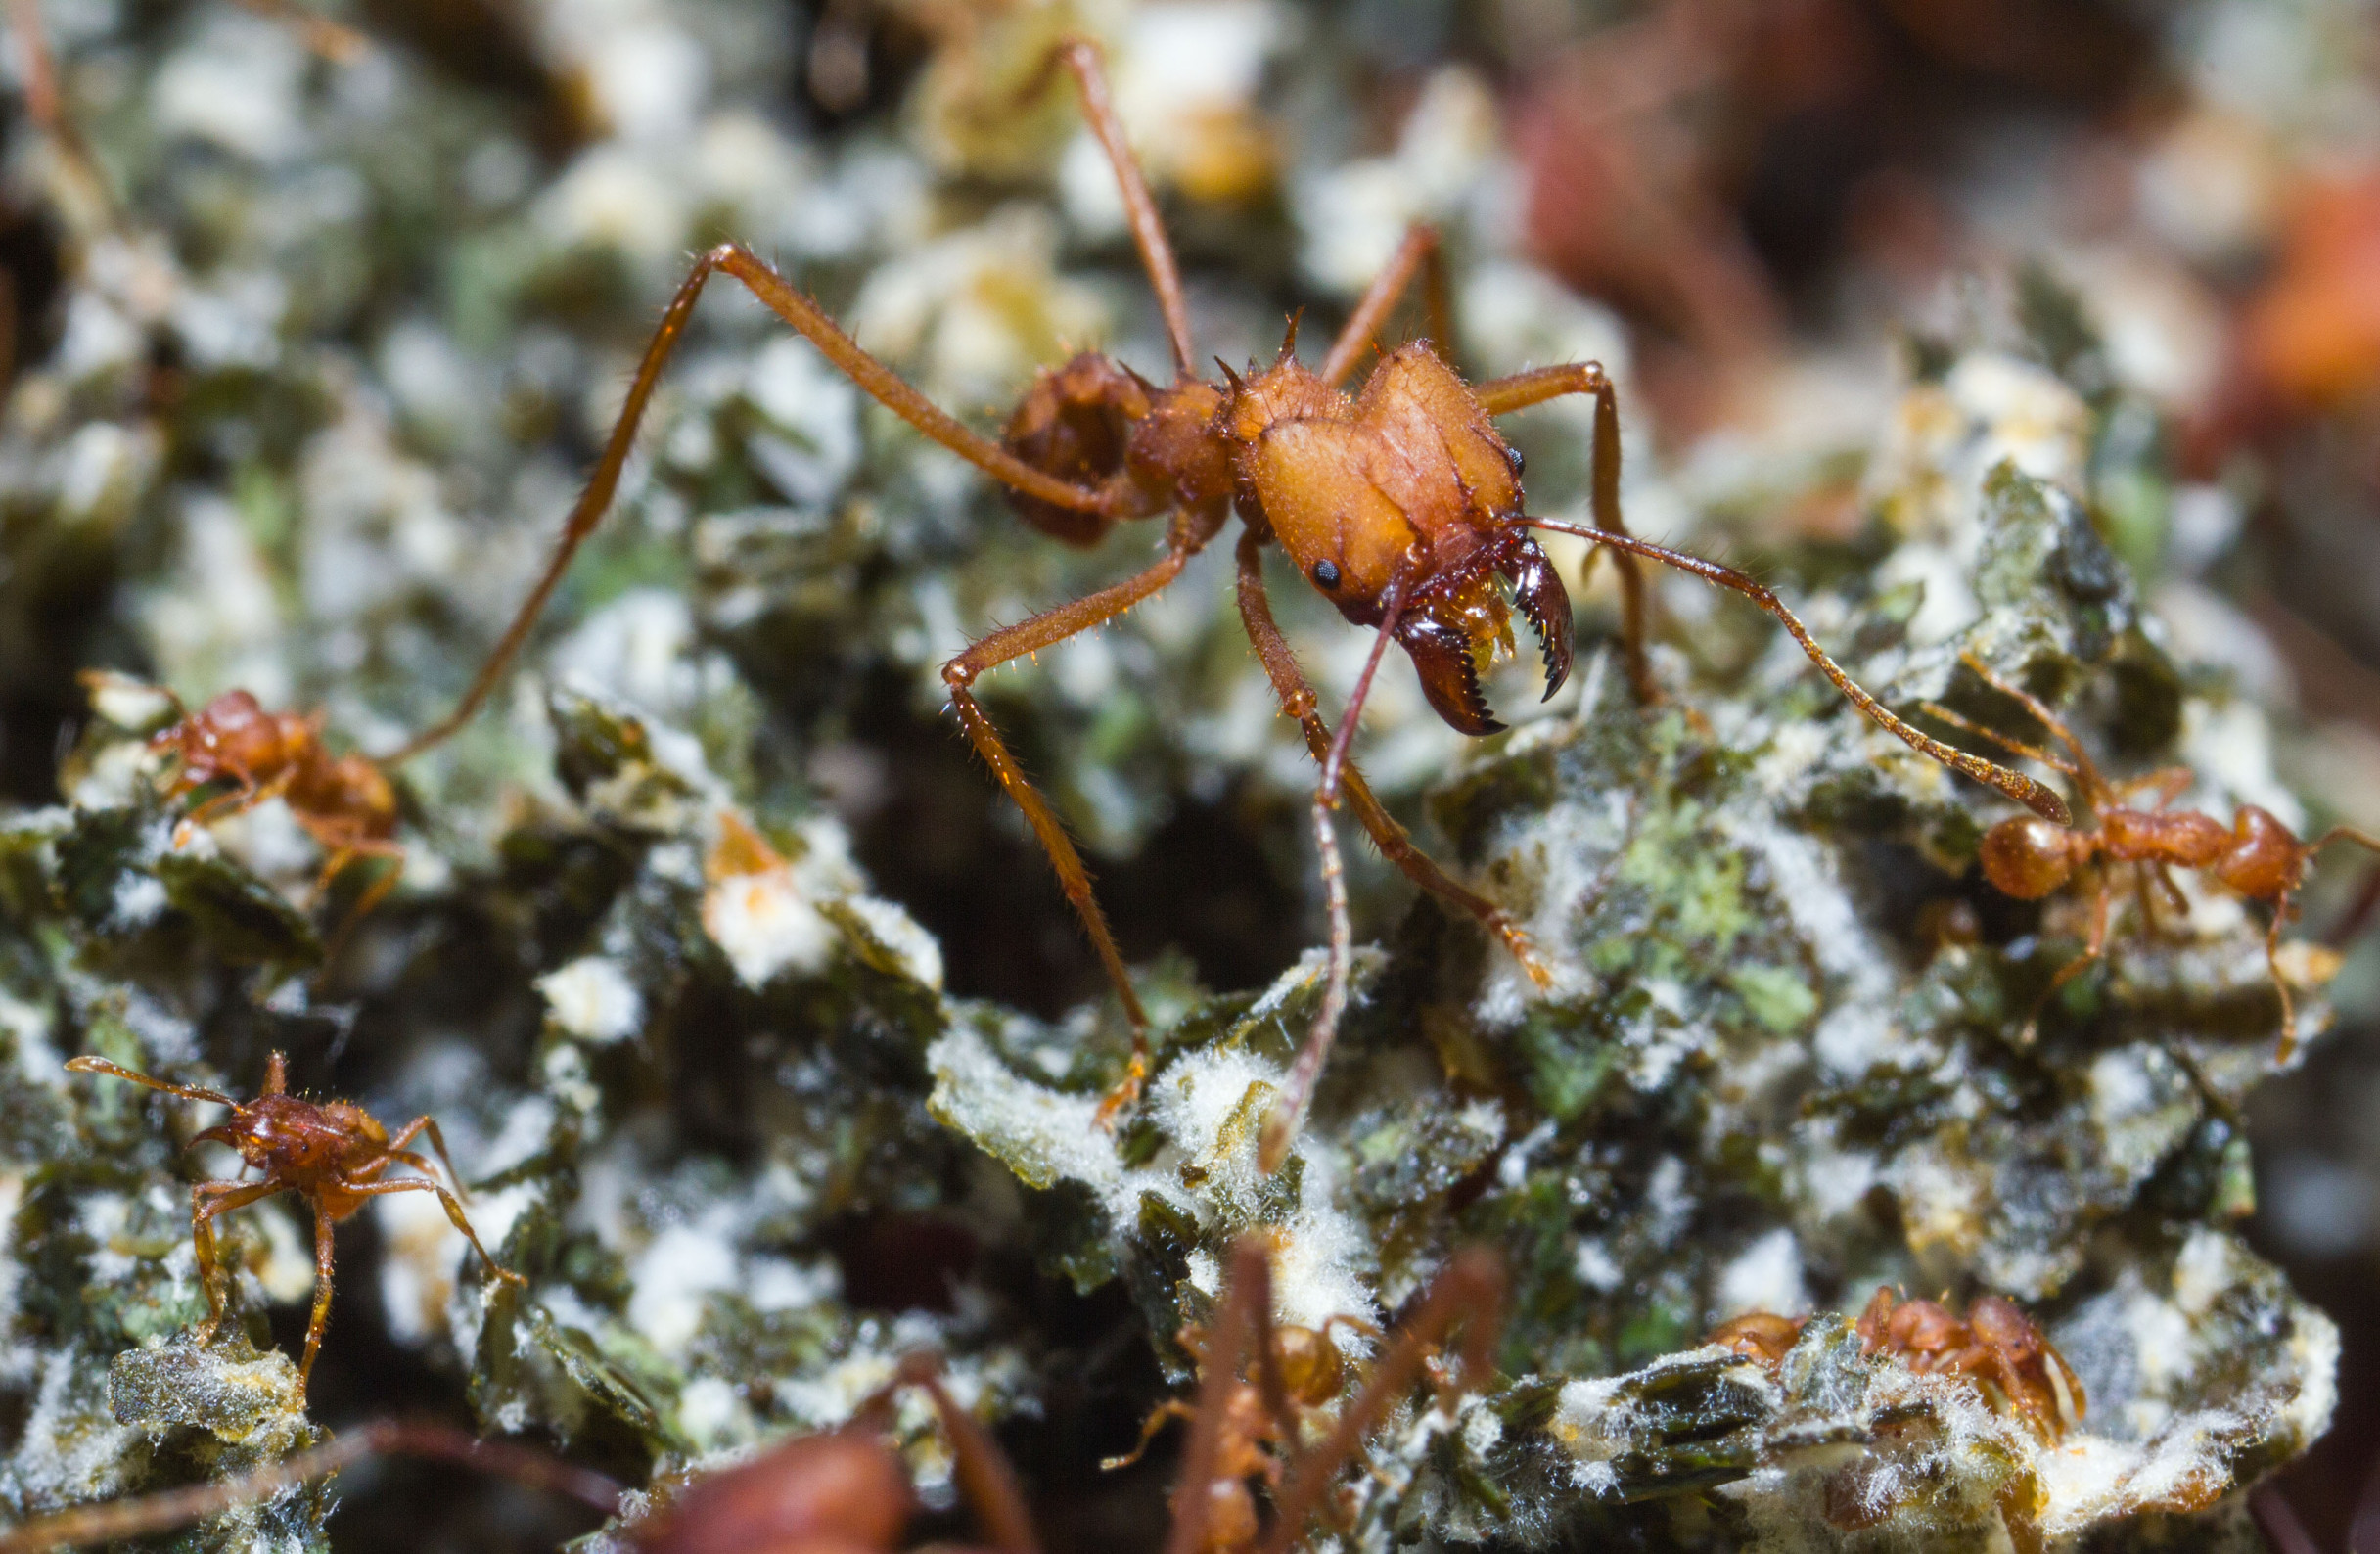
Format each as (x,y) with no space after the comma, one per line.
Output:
(208,1199)
(806,319)
(114,1521)
(2035,796)
(1289,1112)
(1202,1491)
(1504,395)
(1420,252)
(1081,56)
(1190,534)
(1299,701)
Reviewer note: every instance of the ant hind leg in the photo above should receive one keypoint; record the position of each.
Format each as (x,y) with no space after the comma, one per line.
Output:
(1081,57)
(1419,253)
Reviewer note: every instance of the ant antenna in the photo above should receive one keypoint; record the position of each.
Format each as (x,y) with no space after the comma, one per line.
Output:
(188,1092)
(2037,797)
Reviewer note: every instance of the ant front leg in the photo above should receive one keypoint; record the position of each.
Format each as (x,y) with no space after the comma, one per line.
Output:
(805,318)
(2093,949)
(1522,390)
(1396,844)
(1288,1113)
(206,1201)
(1047,629)
(1420,251)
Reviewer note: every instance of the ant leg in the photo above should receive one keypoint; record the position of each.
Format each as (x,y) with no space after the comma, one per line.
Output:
(320,1321)
(1419,251)
(2280,984)
(2015,747)
(1298,701)
(446,1199)
(45,106)
(2166,784)
(324,38)
(2036,796)
(206,1201)
(1227,1345)
(1171,1408)
(1081,56)
(437,1141)
(1281,1124)
(984,1475)
(2092,949)
(1190,533)
(247,795)
(2095,786)
(188,1092)
(374,893)
(808,320)
(117,1520)
(1470,1291)
(1522,390)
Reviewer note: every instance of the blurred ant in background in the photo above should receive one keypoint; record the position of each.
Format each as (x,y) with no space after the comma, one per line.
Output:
(2256,856)
(847,1490)
(1402,506)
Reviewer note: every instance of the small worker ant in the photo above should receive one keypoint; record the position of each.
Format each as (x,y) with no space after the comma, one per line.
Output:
(1997,1348)
(345,802)
(331,1152)
(847,1490)
(2258,857)
(1402,506)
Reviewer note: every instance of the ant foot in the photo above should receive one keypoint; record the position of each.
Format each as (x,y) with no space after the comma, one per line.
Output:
(1123,1095)
(1517,942)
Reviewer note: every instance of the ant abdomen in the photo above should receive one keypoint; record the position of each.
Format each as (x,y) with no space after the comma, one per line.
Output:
(2027,857)
(1094,423)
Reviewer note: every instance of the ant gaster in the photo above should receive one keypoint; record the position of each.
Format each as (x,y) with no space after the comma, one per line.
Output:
(1401,504)
(331,1153)
(845,1491)
(2257,856)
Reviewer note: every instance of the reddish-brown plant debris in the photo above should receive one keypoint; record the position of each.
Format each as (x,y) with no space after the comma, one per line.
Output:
(331,1153)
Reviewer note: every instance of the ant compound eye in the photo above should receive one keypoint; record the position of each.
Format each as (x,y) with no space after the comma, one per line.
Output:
(1326,574)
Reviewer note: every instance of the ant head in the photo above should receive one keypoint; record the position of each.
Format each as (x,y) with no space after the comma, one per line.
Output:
(1459,622)
(2264,859)
(2026,858)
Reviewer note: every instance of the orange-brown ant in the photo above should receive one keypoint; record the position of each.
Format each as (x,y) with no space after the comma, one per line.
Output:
(1997,1348)
(1401,504)
(844,1492)
(2256,856)
(331,1153)
(345,802)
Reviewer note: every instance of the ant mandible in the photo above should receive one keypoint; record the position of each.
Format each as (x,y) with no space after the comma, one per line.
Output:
(331,1153)
(845,1489)
(1402,506)
(2258,857)
(345,802)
